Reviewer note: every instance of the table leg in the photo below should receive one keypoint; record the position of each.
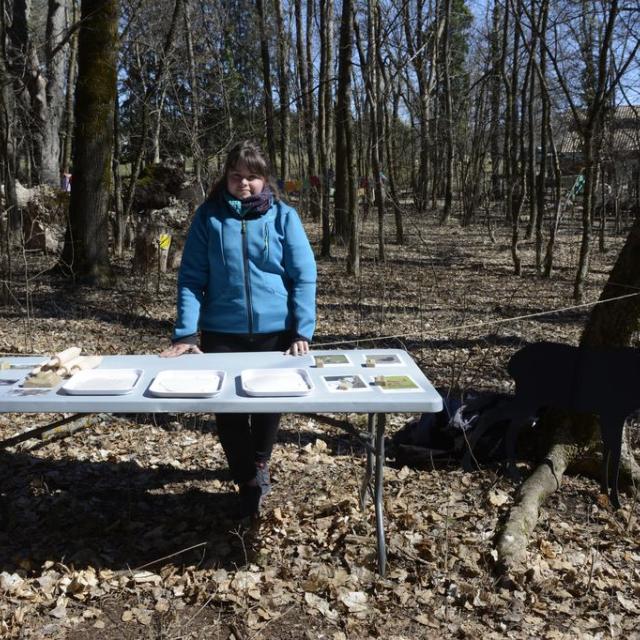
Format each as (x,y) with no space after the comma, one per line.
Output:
(365,487)
(378,491)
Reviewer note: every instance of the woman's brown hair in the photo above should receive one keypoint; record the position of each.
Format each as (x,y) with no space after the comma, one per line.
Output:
(250,155)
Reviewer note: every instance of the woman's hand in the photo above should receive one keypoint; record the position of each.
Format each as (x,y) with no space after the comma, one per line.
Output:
(298,348)
(178,349)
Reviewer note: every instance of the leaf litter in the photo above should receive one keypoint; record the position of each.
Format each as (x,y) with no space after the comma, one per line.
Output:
(121,527)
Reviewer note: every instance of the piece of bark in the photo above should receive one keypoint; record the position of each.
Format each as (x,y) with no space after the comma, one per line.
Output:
(42,379)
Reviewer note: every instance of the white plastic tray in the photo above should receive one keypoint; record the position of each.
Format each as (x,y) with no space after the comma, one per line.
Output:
(349,383)
(276,382)
(198,383)
(102,382)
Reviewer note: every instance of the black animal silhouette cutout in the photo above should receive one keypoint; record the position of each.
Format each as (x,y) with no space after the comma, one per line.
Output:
(603,381)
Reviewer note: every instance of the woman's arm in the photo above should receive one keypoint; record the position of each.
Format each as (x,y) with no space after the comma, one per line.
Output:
(298,347)
(178,348)
(193,278)
(300,266)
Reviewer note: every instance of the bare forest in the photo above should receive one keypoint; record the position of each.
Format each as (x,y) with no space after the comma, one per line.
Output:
(468,175)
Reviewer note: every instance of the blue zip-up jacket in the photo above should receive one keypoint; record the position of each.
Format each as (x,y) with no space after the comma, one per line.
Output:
(248,275)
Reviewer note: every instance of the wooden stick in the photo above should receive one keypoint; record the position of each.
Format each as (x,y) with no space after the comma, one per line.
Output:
(55,430)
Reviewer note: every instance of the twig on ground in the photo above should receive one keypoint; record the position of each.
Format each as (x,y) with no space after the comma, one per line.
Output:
(171,555)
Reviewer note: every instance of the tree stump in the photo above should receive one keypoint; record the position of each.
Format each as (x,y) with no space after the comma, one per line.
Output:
(151,248)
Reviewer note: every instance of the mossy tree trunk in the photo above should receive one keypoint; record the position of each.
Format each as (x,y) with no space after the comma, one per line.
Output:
(86,250)
(613,324)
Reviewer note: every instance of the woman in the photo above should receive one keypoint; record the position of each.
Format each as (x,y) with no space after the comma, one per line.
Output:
(247,282)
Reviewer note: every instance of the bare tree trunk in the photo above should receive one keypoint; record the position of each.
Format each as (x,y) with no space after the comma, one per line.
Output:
(196,149)
(514,189)
(325,128)
(371,74)
(541,184)
(86,249)
(306,94)
(72,72)
(136,165)
(474,160)
(587,214)
(448,114)
(377,151)
(390,126)
(55,94)
(266,83)
(8,135)
(120,219)
(496,45)
(314,193)
(548,259)
(525,150)
(283,85)
(603,211)
(157,125)
(345,204)
(531,151)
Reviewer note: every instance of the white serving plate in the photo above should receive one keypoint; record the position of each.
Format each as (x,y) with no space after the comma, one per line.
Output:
(102,382)
(195,383)
(276,382)
(353,383)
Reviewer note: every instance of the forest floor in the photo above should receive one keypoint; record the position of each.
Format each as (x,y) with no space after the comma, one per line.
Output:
(119,530)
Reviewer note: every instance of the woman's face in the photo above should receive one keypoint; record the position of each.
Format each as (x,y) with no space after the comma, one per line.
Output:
(241,183)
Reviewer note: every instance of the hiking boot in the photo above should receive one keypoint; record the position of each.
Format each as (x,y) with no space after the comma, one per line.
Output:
(263,478)
(250,500)
(252,495)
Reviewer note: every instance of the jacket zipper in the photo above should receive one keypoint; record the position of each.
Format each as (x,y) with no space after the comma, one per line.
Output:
(247,281)
(266,242)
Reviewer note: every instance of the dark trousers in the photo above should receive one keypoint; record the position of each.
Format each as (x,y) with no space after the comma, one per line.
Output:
(247,439)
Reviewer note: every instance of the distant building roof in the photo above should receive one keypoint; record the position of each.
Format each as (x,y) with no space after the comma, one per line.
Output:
(631,112)
(622,136)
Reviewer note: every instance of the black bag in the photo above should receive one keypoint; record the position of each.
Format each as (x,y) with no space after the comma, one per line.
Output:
(445,434)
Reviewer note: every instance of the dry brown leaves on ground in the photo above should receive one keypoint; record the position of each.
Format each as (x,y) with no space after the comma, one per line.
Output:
(121,530)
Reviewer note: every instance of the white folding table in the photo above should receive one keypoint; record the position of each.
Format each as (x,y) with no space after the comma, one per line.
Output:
(232,398)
